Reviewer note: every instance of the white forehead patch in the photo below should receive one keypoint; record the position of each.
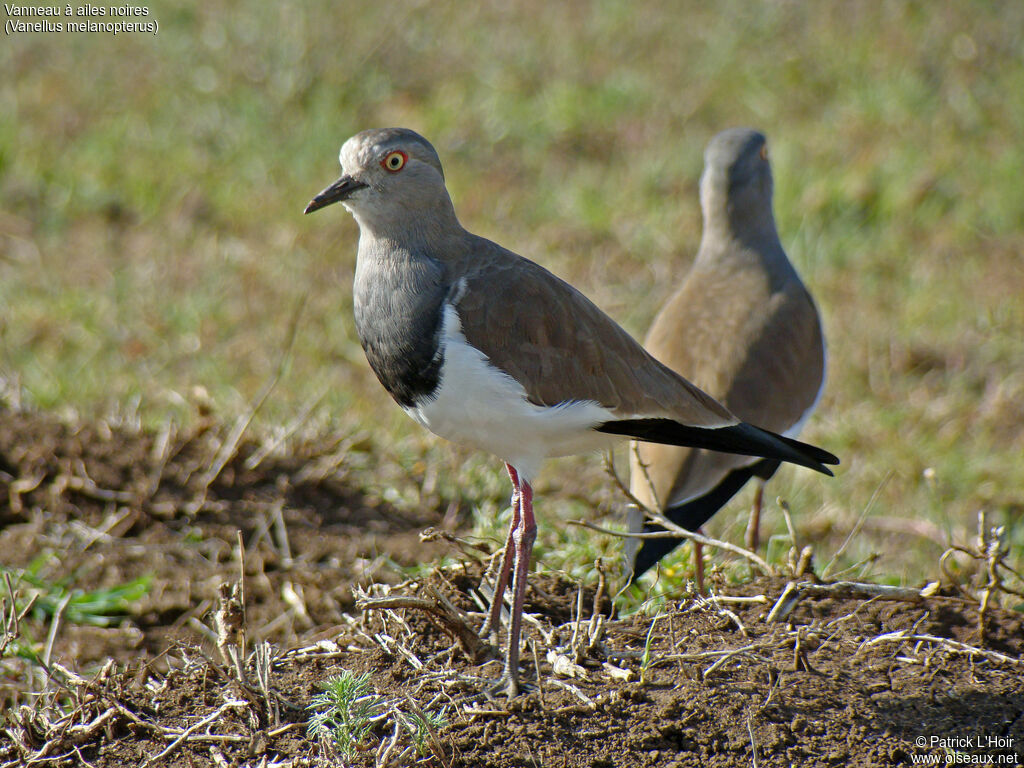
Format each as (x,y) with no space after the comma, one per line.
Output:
(352,154)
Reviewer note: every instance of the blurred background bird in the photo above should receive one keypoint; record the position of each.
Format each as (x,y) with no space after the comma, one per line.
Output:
(743,327)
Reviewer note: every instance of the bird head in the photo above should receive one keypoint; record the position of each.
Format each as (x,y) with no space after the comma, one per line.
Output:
(736,165)
(736,186)
(389,176)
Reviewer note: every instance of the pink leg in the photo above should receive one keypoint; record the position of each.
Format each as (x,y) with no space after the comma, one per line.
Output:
(524,536)
(753,536)
(493,624)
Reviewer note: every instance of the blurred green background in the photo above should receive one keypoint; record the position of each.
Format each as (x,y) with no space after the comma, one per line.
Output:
(152,238)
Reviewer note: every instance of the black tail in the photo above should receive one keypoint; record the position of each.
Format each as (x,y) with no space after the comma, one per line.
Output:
(694,513)
(744,439)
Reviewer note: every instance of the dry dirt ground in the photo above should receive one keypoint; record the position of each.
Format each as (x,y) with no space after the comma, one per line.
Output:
(183,676)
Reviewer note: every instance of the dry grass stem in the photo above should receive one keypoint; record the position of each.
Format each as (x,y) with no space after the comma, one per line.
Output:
(944,642)
(589,702)
(673,531)
(12,617)
(753,743)
(713,604)
(860,522)
(269,446)
(211,718)
(51,637)
(468,548)
(230,444)
(536,667)
(794,591)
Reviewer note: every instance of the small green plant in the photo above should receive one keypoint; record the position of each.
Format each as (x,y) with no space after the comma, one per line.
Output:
(645,660)
(420,726)
(345,711)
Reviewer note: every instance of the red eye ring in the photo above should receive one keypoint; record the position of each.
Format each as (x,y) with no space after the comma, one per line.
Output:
(394,161)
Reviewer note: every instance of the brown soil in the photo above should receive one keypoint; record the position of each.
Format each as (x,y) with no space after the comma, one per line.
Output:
(842,681)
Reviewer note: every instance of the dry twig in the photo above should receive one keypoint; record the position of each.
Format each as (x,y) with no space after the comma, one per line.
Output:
(468,640)
(230,623)
(991,548)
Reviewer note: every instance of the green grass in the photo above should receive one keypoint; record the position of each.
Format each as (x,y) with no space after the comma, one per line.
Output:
(49,600)
(102,607)
(151,236)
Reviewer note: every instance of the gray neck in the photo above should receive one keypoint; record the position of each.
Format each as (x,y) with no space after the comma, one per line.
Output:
(423,228)
(740,226)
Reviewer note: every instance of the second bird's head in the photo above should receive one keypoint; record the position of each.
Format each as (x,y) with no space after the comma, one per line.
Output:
(387,175)
(736,168)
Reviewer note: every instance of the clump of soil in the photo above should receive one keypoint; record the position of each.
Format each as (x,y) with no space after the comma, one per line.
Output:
(843,679)
(98,505)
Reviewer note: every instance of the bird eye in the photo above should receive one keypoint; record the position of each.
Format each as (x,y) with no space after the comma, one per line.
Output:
(394,161)
(764,152)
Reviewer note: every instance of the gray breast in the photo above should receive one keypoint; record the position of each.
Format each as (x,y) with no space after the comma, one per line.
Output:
(398,311)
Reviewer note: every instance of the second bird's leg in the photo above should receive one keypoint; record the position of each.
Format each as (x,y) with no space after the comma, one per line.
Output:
(524,536)
(698,564)
(753,535)
(492,625)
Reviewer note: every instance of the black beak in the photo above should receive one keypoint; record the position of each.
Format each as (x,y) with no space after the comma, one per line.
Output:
(337,192)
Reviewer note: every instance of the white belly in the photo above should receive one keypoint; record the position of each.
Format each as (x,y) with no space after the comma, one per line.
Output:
(480,406)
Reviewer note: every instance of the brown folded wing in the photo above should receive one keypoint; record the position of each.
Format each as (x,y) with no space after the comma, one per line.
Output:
(562,348)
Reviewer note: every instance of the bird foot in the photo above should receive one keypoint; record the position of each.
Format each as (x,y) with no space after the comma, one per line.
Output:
(488,634)
(510,686)
(490,641)
(490,688)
